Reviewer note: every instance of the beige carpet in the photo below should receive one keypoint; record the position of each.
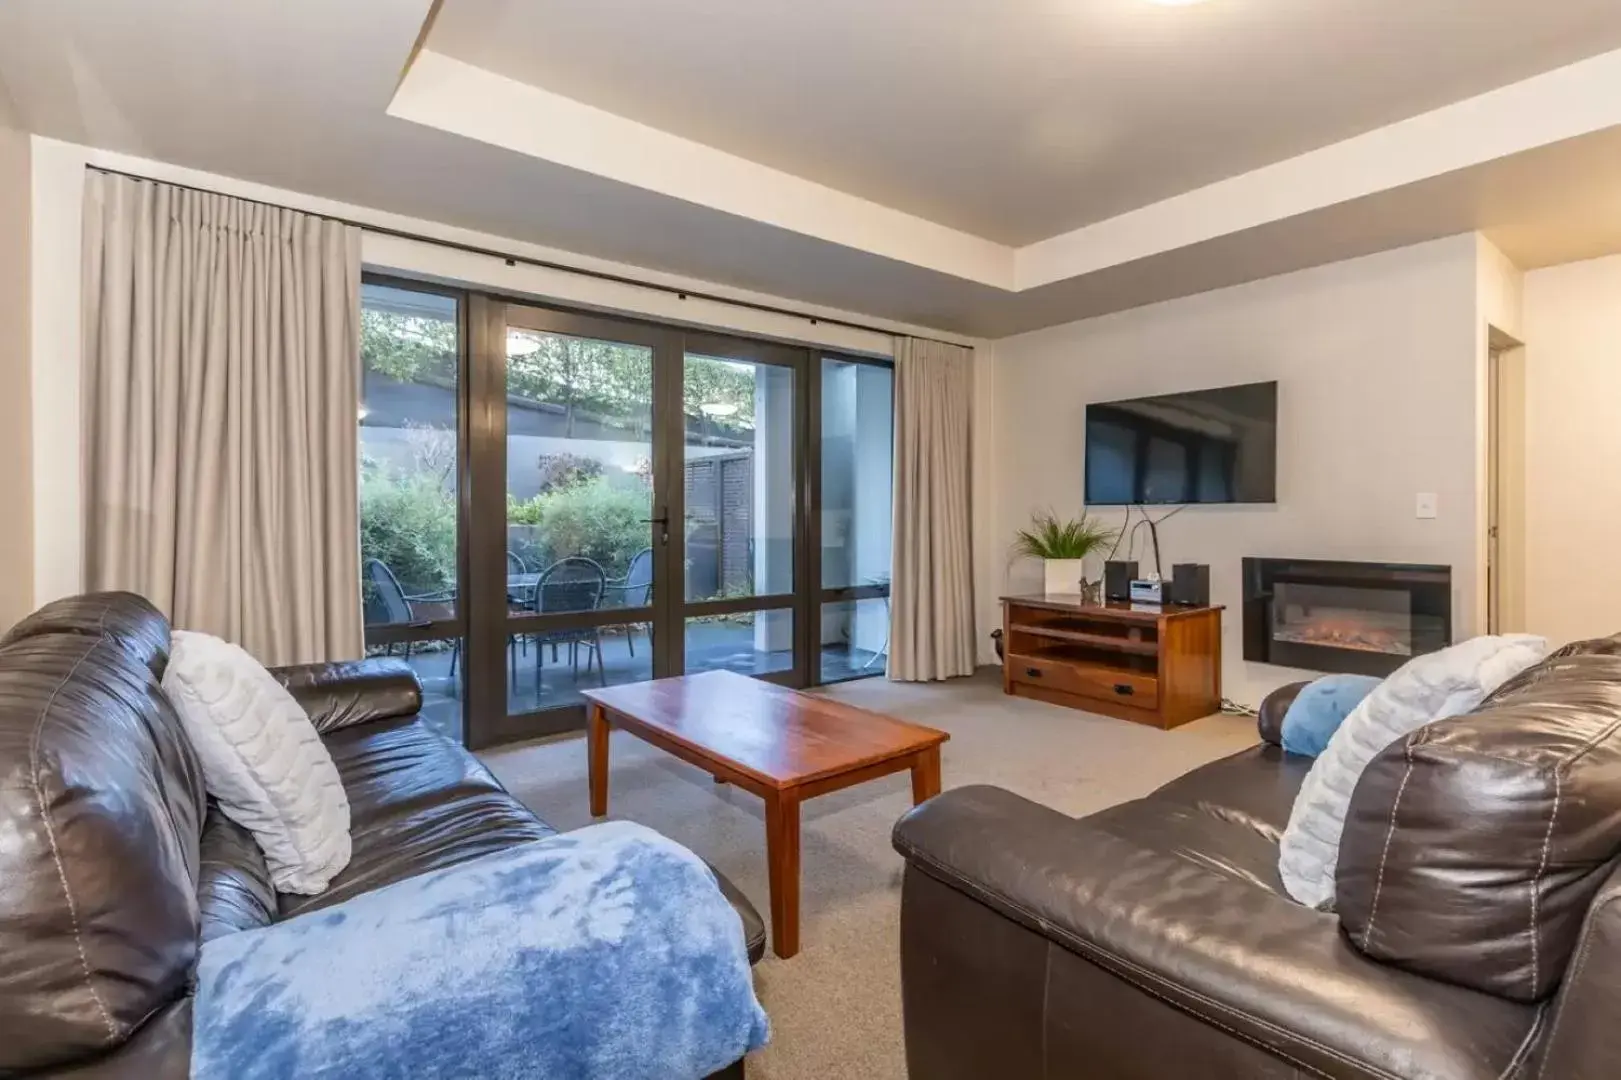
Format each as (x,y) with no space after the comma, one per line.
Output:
(836,1007)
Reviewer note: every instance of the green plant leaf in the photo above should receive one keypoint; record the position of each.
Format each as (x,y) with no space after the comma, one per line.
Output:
(1052,537)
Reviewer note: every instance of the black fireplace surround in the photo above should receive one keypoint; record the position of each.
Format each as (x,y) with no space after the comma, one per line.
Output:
(1360,617)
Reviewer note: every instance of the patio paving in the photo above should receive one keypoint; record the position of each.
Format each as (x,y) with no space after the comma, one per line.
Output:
(554,683)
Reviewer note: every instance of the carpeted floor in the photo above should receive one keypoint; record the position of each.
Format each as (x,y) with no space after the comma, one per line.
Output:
(836,1007)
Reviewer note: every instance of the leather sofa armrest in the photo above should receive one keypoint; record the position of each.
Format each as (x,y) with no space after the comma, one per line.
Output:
(1224,949)
(1269,720)
(340,694)
(1580,1037)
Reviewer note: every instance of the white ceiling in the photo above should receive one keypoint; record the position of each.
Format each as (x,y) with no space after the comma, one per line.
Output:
(297,94)
(1019,119)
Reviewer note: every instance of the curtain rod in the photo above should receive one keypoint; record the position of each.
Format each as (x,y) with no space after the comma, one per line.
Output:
(513,260)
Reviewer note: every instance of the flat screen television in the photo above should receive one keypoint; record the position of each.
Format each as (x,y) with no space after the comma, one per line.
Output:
(1203,446)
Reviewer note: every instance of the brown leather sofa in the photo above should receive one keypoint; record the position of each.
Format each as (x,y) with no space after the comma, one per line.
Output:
(115,867)
(1154,939)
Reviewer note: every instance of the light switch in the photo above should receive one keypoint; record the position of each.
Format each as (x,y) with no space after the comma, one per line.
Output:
(1428,505)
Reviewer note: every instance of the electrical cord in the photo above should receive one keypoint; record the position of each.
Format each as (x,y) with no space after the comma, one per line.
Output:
(1153,524)
(1120,533)
(1131,545)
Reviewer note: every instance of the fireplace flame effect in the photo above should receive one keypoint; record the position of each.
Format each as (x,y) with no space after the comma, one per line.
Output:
(1344,630)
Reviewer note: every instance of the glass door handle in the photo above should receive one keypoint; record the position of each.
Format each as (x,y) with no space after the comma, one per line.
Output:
(663,522)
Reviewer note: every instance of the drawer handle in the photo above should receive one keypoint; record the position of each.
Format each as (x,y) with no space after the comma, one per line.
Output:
(1124,688)
(1033,672)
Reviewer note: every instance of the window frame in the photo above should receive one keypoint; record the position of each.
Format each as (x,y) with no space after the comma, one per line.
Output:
(391,635)
(475,378)
(811,641)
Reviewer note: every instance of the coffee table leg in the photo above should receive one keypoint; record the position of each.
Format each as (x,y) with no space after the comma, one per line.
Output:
(782,860)
(926,775)
(597,751)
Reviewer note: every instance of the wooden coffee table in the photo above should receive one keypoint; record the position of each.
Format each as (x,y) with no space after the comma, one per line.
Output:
(781,745)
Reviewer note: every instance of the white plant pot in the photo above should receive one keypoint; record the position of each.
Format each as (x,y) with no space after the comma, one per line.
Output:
(1063,575)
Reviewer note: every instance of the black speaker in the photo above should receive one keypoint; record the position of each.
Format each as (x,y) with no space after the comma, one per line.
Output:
(1190,584)
(1117,579)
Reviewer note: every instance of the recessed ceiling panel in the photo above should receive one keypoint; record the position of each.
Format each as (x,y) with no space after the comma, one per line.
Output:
(1019,119)
(295,94)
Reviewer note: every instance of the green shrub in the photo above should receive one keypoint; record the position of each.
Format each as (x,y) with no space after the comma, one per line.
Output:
(523,511)
(409,524)
(601,520)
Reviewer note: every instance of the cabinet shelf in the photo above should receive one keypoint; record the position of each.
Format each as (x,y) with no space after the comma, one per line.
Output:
(1110,642)
(1158,666)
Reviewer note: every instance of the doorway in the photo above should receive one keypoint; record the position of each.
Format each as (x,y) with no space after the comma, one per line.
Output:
(556,500)
(1505,484)
(570,527)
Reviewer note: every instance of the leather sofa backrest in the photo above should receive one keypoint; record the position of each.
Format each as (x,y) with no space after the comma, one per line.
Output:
(1610,646)
(101,802)
(1474,847)
(129,623)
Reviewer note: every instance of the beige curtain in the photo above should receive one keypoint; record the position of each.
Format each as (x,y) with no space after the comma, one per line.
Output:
(931,591)
(221,370)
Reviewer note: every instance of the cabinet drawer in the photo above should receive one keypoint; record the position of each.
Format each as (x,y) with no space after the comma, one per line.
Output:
(1088,680)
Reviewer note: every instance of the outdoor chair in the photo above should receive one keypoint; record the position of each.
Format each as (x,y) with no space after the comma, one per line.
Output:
(635,591)
(574,584)
(386,603)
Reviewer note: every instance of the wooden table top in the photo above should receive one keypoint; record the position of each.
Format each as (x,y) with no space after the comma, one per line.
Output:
(778,736)
(1119,610)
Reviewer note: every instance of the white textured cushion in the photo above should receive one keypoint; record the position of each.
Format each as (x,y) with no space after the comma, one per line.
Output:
(1426,688)
(262,760)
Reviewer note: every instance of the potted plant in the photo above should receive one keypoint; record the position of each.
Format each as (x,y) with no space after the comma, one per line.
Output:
(1062,546)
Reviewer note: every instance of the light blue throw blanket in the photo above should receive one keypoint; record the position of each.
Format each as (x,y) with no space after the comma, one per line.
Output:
(606,952)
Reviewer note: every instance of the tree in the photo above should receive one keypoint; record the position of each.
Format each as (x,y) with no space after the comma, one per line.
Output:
(610,380)
(432,452)
(567,470)
(410,348)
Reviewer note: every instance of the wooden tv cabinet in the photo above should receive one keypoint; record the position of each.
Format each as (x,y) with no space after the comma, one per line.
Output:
(1152,665)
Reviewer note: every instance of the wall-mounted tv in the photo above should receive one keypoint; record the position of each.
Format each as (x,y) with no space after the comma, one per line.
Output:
(1203,446)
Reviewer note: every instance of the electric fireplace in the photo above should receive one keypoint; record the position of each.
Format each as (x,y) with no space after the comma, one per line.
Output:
(1361,617)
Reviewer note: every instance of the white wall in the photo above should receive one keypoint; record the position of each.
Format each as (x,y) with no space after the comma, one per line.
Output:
(1573,449)
(16,488)
(1379,380)
(774,502)
(57,172)
(1500,289)
(871,525)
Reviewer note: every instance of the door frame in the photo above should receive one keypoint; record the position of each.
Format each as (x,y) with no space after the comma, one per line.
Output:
(489,718)
(1504,464)
(821,594)
(482,621)
(798,360)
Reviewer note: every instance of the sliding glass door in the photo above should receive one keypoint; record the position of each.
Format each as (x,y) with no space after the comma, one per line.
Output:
(553,501)
(572,540)
(650,520)
(742,473)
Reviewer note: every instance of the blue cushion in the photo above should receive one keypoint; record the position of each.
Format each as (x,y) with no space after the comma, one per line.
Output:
(605,952)
(1316,712)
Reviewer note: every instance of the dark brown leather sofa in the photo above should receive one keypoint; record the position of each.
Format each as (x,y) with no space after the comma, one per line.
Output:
(1154,939)
(114,866)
